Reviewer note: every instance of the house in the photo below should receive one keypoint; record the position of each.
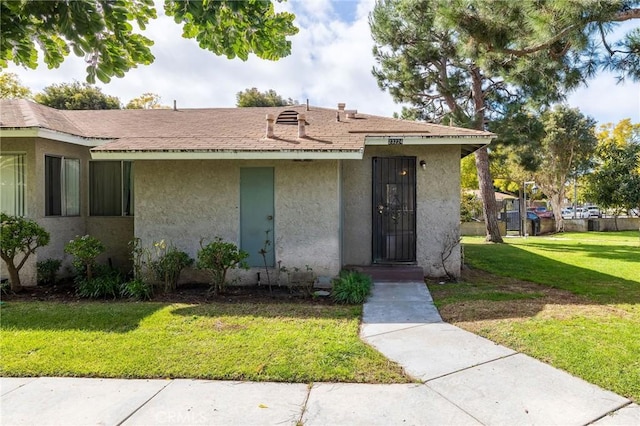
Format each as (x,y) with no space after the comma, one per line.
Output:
(311,186)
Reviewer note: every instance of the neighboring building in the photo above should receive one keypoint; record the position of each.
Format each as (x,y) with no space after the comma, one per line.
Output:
(325,187)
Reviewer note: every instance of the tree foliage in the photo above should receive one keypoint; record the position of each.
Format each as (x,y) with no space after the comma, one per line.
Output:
(565,150)
(12,88)
(467,63)
(104,32)
(254,98)
(218,257)
(559,147)
(19,236)
(75,96)
(147,100)
(615,182)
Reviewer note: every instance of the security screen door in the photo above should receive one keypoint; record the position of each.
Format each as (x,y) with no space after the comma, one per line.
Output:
(394,210)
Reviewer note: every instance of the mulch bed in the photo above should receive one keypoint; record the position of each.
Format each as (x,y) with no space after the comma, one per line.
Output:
(187,293)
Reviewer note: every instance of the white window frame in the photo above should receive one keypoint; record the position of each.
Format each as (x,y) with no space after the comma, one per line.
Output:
(21,195)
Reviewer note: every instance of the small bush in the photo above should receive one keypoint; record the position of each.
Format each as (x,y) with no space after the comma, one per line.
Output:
(85,250)
(137,289)
(107,283)
(218,257)
(19,236)
(5,287)
(351,287)
(169,264)
(48,271)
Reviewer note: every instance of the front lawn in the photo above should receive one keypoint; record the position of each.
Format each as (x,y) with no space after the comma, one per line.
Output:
(231,341)
(572,300)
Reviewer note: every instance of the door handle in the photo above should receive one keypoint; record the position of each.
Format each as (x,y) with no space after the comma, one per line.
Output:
(269,217)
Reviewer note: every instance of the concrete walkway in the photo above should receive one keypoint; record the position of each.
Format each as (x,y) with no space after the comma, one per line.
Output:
(464,379)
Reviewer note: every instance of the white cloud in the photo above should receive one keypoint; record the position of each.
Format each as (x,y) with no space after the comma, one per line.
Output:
(331,62)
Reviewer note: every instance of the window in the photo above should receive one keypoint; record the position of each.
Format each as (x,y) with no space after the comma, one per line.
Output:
(111,188)
(61,186)
(12,184)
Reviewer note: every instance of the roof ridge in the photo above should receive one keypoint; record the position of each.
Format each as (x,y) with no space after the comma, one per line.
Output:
(28,114)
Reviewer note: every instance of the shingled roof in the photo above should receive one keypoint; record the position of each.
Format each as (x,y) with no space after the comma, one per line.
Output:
(229,130)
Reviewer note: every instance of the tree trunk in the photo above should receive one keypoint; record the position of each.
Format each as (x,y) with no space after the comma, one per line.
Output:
(556,206)
(14,277)
(489,206)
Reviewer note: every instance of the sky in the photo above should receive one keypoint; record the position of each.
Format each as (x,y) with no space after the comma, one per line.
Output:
(331,62)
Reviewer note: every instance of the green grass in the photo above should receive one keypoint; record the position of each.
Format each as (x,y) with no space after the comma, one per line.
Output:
(603,266)
(261,342)
(581,315)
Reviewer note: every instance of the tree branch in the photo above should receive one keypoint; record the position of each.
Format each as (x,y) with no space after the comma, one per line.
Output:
(618,17)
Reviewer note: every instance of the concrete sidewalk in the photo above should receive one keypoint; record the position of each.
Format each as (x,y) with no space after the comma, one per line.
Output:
(465,380)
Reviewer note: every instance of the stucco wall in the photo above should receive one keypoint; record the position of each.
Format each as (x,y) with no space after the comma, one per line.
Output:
(437,205)
(115,233)
(61,229)
(185,201)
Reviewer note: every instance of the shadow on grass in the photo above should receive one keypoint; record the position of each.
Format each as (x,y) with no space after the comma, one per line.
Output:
(504,281)
(272,310)
(81,316)
(600,288)
(122,317)
(615,252)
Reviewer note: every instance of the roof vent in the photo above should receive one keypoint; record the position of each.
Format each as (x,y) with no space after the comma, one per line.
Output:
(351,113)
(301,126)
(341,106)
(270,119)
(288,117)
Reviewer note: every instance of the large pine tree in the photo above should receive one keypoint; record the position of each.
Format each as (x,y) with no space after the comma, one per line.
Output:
(469,62)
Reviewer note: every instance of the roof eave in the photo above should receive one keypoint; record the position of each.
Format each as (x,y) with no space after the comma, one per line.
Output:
(40,132)
(401,139)
(228,155)
(468,143)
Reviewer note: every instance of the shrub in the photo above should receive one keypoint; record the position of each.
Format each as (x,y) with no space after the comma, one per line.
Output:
(218,257)
(19,235)
(106,284)
(48,271)
(137,289)
(139,255)
(169,264)
(85,250)
(351,287)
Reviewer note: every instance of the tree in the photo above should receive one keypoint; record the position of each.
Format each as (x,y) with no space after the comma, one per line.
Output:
(76,96)
(565,150)
(12,88)
(102,31)
(470,62)
(615,182)
(19,235)
(254,98)
(146,101)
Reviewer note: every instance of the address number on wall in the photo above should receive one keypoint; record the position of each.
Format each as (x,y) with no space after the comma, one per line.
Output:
(395,141)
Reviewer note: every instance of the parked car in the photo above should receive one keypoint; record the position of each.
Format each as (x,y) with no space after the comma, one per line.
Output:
(594,211)
(581,213)
(541,212)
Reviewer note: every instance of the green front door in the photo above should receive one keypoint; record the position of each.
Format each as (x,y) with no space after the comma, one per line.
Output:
(256,215)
